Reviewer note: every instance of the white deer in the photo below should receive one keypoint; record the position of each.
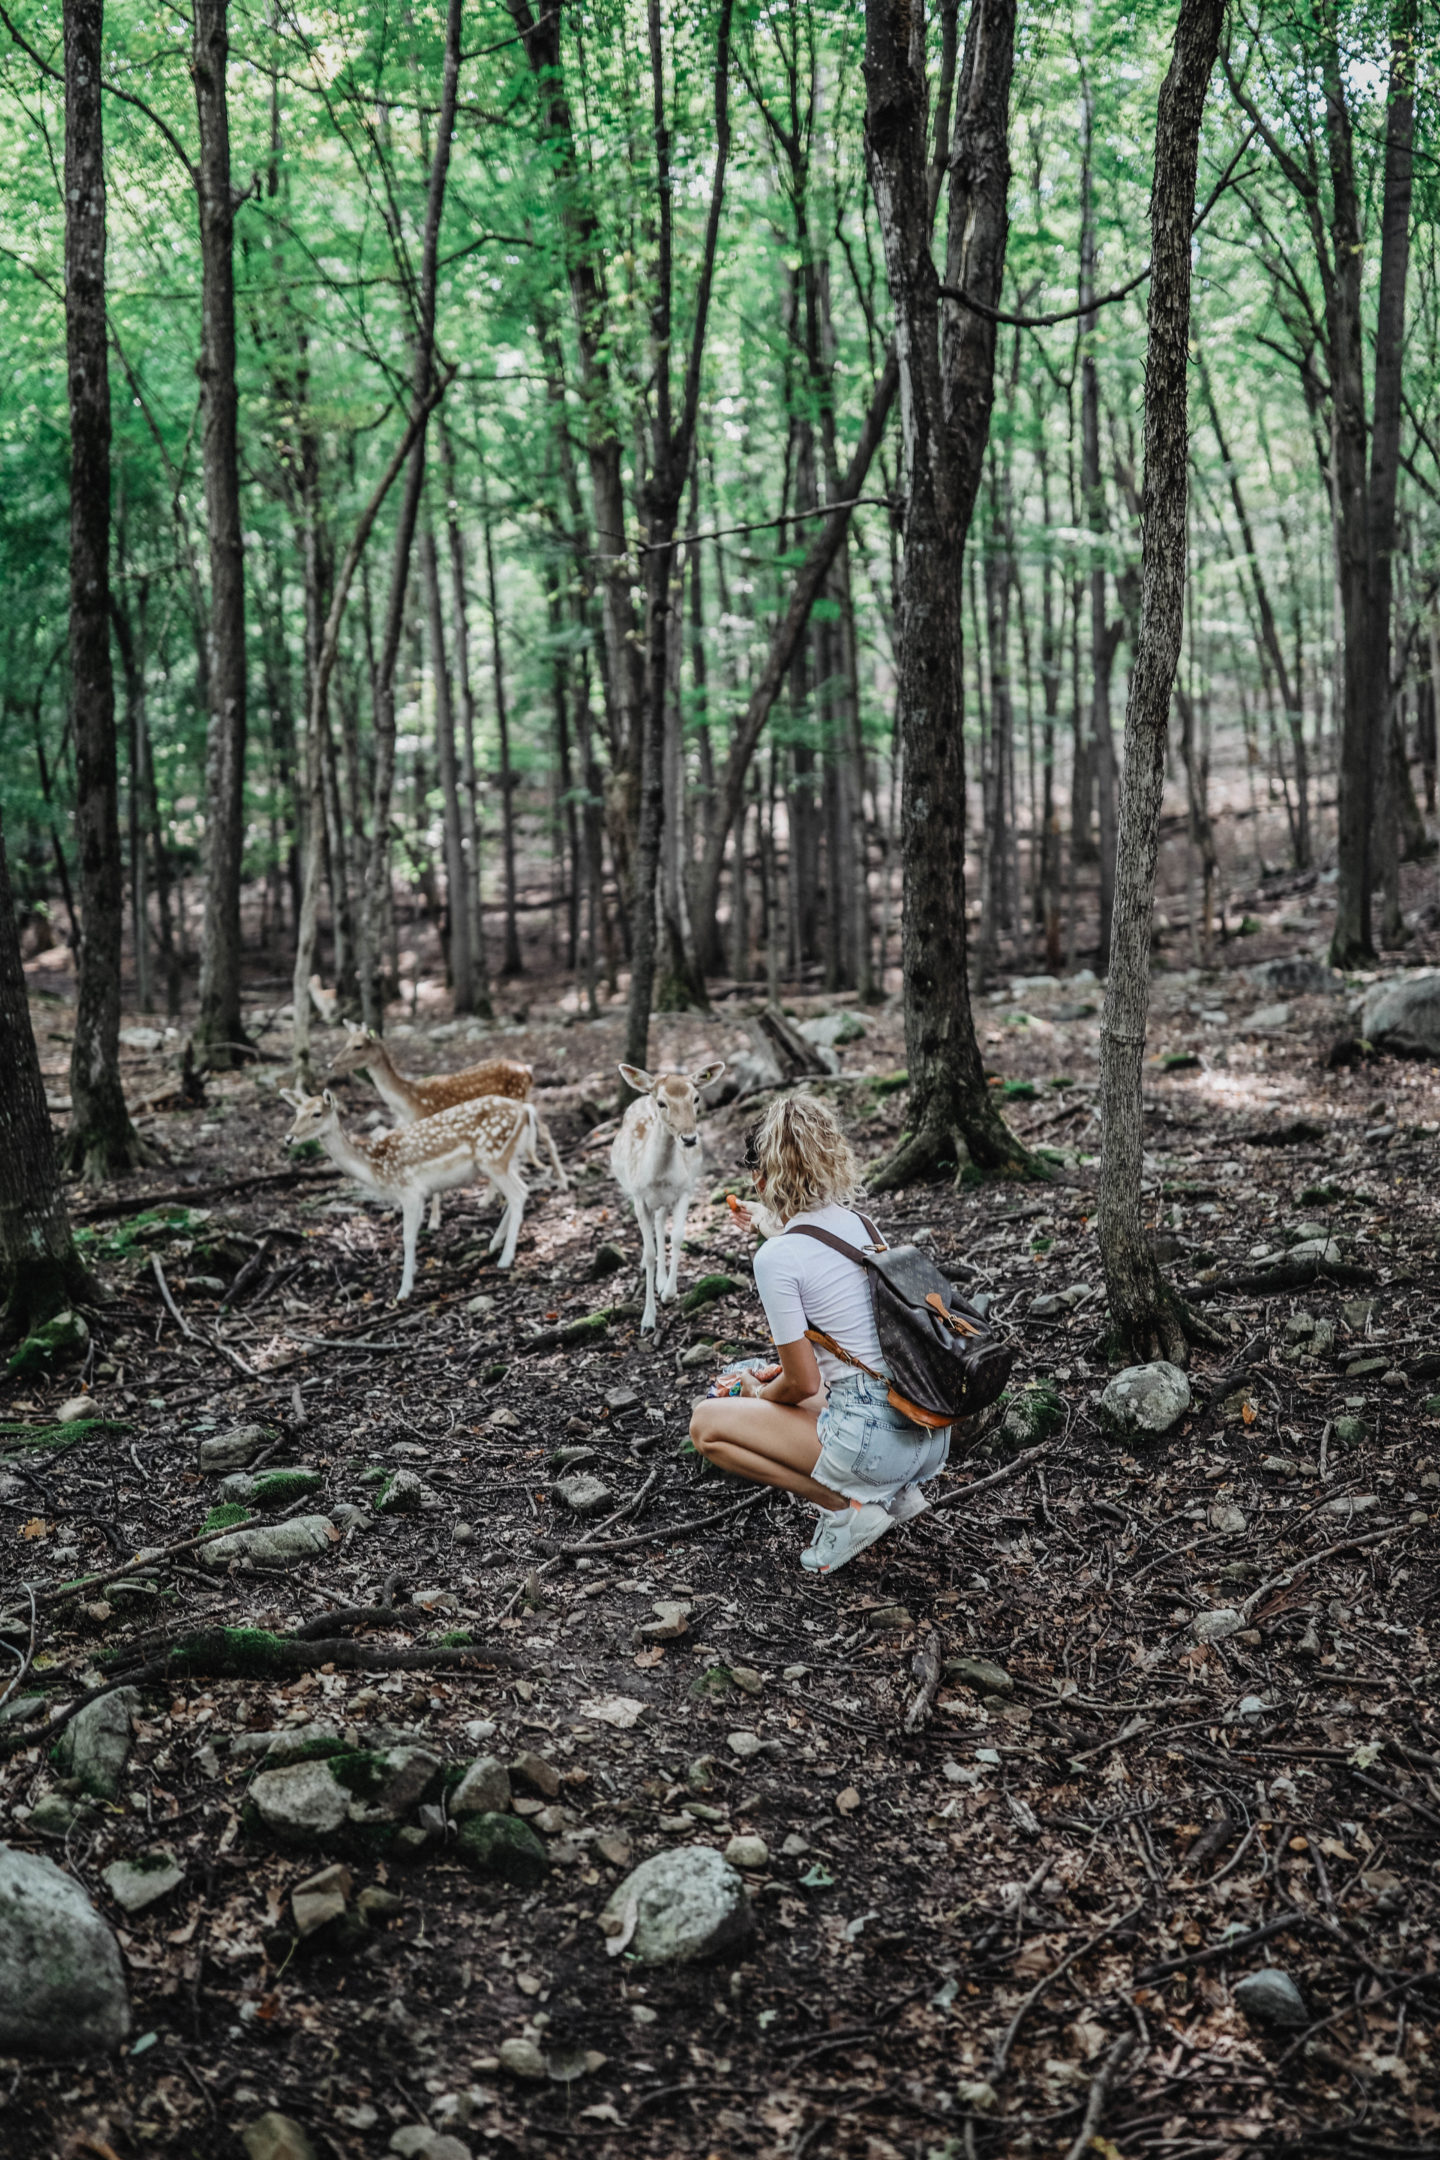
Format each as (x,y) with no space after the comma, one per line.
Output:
(657,1161)
(484,1139)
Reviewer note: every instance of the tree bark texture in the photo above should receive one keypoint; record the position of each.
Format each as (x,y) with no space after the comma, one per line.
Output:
(40,1271)
(457,878)
(946,380)
(671,447)
(101,1141)
(218,1031)
(1142,1310)
(375,906)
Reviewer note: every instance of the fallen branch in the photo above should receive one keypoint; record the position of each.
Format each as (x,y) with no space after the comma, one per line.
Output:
(1046,1980)
(149,1556)
(585,1327)
(666,1535)
(1287,1575)
(926,1666)
(996,1477)
(1217,1951)
(1290,1275)
(1099,2093)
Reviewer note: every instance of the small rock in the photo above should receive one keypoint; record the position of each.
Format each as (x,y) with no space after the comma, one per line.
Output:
(1145,1399)
(275,1544)
(484,1789)
(504,1420)
(1300,1324)
(744,1744)
(1266,1019)
(232,1450)
(522,2059)
(1216,1626)
(403,1493)
(621,1398)
(608,1260)
(321,1898)
(134,1884)
(375,1903)
(583,1494)
(1348,1432)
(888,1619)
(1253,1708)
(1324,1251)
(671,1622)
(53,1816)
(794,1845)
(267,1489)
(1048,1306)
(1225,1517)
(572,1458)
(62,1985)
(980,1674)
(978,2095)
(539,1775)
(77,1410)
(1271,1997)
(273,2136)
(747,1852)
(95,1746)
(1403,1016)
(697,1356)
(307,1801)
(503,1846)
(1352,1503)
(685,1905)
(614,1849)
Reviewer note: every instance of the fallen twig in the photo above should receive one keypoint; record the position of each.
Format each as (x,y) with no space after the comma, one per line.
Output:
(996,1477)
(1046,1980)
(621,1514)
(666,1534)
(926,1667)
(1099,2093)
(1232,1948)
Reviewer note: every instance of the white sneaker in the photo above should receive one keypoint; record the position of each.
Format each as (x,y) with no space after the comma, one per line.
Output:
(906,1504)
(842,1534)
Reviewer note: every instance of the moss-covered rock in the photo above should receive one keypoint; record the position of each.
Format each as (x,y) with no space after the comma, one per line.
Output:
(64,1336)
(505,1847)
(706,1291)
(1030,1413)
(269,1489)
(228,1516)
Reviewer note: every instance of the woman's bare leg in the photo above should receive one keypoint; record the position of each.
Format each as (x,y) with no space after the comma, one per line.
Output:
(768,1443)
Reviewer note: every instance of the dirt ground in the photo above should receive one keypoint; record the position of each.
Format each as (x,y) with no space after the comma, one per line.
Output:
(1013,1925)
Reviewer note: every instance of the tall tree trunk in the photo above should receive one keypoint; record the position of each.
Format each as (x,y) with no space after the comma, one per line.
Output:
(219,1034)
(1385,448)
(465,690)
(1145,1314)
(512,963)
(101,1141)
(1092,491)
(672,445)
(457,894)
(947,374)
(40,1271)
(375,910)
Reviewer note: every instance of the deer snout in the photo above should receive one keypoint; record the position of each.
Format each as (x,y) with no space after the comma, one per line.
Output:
(689,1139)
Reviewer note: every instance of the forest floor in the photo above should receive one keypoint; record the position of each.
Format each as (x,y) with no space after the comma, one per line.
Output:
(1014,1926)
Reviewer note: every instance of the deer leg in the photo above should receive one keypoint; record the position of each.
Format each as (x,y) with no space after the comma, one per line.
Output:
(412,1208)
(562,1181)
(434,1212)
(646,1221)
(677,1242)
(514,1189)
(665,1268)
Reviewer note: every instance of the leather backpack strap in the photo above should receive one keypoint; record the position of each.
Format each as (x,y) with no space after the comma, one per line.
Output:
(875,1237)
(828,1342)
(826,1237)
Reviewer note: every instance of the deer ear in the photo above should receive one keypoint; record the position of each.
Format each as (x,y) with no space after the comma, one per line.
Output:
(290,1095)
(707,1074)
(327,1098)
(635,1077)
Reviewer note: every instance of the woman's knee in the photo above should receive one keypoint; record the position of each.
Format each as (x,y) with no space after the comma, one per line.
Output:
(702,1427)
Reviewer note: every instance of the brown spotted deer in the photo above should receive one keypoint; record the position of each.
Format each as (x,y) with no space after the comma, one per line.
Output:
(408,1099)
(657,1161)
(485,1140)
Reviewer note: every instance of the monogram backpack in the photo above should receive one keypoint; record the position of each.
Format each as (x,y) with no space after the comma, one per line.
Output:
(944,1358)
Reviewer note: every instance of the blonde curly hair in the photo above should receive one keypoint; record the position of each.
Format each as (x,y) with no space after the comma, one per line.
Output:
(803,1157)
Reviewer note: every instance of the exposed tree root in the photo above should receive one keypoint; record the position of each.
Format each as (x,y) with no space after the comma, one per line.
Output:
(972,1136)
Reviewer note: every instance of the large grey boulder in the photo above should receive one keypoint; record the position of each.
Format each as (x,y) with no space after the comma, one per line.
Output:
(1296,975)
(1145,1400)
(95,1745)
(680,1907)
(484,1789)
(1404,1015)
(62,1986)
(232,1450)
(275,1544)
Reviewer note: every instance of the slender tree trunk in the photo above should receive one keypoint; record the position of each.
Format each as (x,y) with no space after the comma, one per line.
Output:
(457,896)
(470,801)
(40,1271)
(512,963)
(947,372)
(1092,490)
(672,446)
(1385,450)
(377,897)
(219,1034)
(101,1141)
(1144,1313)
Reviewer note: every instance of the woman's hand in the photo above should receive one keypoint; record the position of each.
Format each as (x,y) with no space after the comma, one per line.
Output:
(740,1212)
(755,1383)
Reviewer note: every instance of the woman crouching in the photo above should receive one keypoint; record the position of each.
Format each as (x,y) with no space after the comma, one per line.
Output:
(819,1424)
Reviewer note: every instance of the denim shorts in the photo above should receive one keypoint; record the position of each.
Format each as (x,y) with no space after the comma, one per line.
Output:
(867,1449)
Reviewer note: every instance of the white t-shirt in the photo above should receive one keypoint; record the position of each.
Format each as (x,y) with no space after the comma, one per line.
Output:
(802,1283)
